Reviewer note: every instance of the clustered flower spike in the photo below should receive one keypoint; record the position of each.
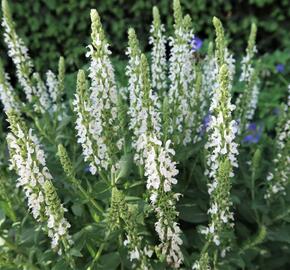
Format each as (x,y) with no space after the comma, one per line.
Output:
(160,170)
(222,152)
(28,160)
(42,96)
(231,62)
(97,123)
(18,52)
(8,96)
(181,76)
(247,100)
(55,87)
(122,216)
(209,79)
(158,54)
(278,177)
(84,132)
(197,112)
(144,116)
(203,263)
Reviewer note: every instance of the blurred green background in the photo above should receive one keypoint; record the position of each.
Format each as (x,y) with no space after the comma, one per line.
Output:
(51,27)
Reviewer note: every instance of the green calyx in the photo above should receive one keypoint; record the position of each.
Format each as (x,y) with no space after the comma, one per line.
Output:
(220,41)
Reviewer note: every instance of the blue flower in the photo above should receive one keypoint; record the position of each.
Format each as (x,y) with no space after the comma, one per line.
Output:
(252,127)
(254,133)
(195,43)
(205,124)
(276,111)
(280,68)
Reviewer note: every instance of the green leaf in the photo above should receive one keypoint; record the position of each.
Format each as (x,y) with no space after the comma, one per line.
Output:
(78,209)
(191,212)
(109,261)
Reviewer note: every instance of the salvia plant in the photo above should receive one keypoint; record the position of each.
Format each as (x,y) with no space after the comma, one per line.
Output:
(162,172)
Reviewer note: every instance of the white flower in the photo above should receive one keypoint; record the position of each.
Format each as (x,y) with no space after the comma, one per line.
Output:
(158,54)
(143,110)
(161,171)
(28,160)
(53,88)
(7,93)
(278,177)
(97,124)
(181,76)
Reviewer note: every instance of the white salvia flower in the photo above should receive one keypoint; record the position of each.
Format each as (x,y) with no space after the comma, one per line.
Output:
(253,101)
(8,96)
(181,75)
(18,52)
(144,116)
(202,263)
(85,138)
(209,79)
(247,100)
(230,61)
(161,171)
(120,210)
(247,67)
(247,60)
(28,160)
(222,150)
(198,108)
(278,178)
(42,94)
(97,123)
(159,65)
(53,88)
(31,82)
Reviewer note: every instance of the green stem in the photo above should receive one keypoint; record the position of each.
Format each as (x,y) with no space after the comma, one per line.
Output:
(253,182)
(99,252)
(96,205)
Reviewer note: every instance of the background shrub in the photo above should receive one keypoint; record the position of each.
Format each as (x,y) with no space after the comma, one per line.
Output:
(53,27)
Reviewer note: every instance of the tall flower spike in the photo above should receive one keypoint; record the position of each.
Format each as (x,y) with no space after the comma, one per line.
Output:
(209,78)
(18,52)
(203,263)
(99,105)
(84,134)
(278,177)
(222,54)
(28,160)
(159,65)
(197,111)
(122,216)
(55,85)
(143,113)
(44,102)
(8,96)
(181,76)
(222,153)
(161,172)
(247,100)
(60,78)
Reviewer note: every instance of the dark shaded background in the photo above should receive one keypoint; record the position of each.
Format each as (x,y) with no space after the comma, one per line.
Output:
(51,28)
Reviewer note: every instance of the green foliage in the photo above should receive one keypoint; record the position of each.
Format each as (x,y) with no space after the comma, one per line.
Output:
(52,28)
(104,214)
